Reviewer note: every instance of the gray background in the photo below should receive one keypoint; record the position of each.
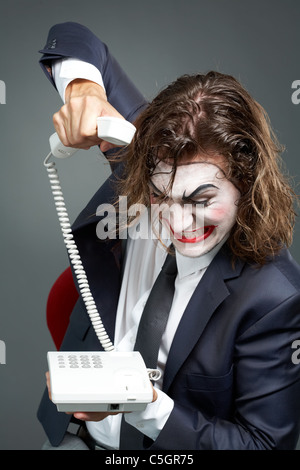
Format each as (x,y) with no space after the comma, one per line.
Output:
(257,42)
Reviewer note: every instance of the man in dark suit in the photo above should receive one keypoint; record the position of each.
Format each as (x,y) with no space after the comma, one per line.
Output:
(203,149)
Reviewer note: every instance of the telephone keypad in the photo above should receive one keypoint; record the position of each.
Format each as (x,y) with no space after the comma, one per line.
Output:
(82,361)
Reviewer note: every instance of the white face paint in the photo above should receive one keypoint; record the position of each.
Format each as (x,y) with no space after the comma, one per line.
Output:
(202,206)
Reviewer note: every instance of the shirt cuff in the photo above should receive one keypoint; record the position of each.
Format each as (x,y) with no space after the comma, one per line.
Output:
(66,70)
(152,420)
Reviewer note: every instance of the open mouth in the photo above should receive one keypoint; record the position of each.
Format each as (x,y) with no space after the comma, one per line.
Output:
(205,233)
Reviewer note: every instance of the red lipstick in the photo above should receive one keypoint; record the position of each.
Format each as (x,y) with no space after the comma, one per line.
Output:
(207,231)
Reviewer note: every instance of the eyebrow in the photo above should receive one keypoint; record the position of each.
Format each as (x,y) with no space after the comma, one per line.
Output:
(200,188)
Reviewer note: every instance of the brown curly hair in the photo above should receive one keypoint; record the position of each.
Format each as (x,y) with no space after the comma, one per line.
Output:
(213,114)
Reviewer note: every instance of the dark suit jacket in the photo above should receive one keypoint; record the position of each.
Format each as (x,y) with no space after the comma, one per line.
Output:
(230,370)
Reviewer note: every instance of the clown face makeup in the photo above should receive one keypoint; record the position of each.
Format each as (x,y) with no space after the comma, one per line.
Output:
(201,208)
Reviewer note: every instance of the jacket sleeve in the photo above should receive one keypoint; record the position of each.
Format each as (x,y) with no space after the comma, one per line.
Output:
(75,40)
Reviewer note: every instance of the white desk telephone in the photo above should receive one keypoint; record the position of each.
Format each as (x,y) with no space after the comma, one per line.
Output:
(100,380)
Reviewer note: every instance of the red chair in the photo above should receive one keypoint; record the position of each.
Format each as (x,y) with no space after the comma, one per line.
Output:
(60,303)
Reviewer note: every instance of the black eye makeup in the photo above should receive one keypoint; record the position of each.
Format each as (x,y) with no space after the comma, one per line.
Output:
(159,197)
(202,195)
(202,202)
(197,191)
(156,193)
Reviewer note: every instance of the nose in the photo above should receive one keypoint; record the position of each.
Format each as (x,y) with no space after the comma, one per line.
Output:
(181,217)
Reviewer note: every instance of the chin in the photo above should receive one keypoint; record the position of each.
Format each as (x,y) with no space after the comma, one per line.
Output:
(191,251)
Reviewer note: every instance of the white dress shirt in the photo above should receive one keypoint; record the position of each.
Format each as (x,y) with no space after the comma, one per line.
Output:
(66,70)
(144,259)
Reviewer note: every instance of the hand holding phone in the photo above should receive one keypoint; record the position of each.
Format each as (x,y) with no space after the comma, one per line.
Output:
(115,130)
(76,121)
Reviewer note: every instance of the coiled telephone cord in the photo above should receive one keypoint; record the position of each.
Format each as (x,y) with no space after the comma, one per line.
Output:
(73,252)
(79,270)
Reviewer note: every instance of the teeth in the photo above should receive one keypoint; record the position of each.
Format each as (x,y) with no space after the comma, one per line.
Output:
(194,234)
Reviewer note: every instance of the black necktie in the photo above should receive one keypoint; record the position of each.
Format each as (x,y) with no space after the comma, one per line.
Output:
(156,312)
(152,325)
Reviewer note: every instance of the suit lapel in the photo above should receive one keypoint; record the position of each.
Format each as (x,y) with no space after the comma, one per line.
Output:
(209,294)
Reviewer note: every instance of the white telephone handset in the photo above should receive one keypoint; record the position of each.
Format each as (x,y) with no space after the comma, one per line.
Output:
(94,381)
(112,129)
